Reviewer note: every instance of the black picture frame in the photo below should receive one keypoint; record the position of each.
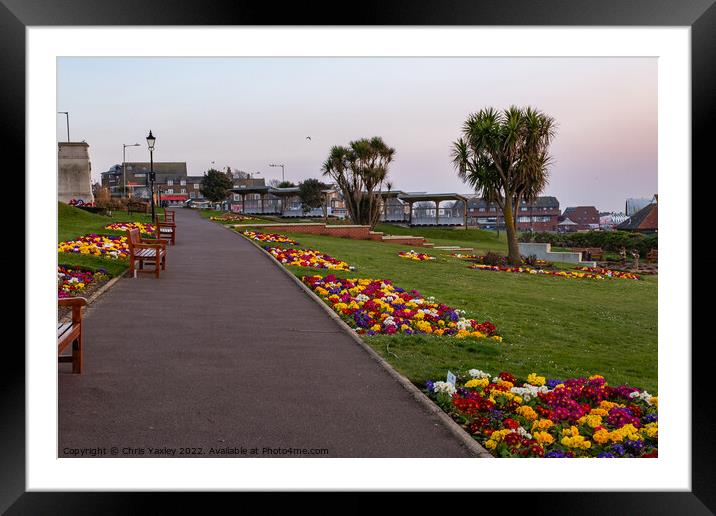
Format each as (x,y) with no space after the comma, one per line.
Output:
(699,15)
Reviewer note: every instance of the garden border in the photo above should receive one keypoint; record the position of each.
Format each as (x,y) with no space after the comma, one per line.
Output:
(104,288)
(471,444)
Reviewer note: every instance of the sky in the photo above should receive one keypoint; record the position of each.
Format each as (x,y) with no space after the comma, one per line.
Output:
(247,113)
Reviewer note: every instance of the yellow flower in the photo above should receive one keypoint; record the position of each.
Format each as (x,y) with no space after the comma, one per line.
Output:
(533,379)
(477,382)
(527,412)
(490,444)
(543,437)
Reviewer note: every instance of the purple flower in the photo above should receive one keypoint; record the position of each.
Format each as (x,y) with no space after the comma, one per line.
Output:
(553,383)
(650,418)
(618,449)
(556,455)
(430,385)
(605,455)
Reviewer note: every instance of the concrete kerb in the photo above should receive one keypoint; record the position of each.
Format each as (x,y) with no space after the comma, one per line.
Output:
(471,444)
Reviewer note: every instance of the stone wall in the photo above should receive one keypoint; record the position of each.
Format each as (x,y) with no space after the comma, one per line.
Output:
(341,231)
(544,252)
(73,172)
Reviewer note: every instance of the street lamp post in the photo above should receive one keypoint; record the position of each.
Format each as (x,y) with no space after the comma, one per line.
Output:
(67,114)
(124,163)
(283,176)
(150,143)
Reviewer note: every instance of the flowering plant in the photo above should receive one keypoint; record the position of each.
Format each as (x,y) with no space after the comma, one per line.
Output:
(147,229)
(233,217)
(269,237)
(379,307)
(609,273)
(72,281)
(582,272)
(97,245)
(418,257)
(579,417)
(307,258)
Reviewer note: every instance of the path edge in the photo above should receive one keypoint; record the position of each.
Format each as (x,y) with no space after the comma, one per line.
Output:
(104,288)
(471,444)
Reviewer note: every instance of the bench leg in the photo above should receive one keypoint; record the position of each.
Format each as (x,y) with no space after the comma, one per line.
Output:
(77,355)
(164,262)
(157,264)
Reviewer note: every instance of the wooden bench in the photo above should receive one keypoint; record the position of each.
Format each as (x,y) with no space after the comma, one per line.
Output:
(590,253)
(152,250)
(137,207)
(71,333)
(653,255)
(166,229)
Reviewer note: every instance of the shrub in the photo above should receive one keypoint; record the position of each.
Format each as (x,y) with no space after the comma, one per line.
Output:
(607,240)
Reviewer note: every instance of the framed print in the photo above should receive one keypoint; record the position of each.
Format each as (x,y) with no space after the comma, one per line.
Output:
(419,247)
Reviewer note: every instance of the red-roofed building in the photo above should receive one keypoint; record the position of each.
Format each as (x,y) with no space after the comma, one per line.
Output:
(646,220)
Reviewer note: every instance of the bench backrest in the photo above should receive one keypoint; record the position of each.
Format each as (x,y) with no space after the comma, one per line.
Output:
(168,215)
(133,238)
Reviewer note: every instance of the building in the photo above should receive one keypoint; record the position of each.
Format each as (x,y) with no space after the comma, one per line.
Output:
(540,215)
(173,186)
(609,220)
(254,197)
(634,205)
(73,172)
(585,217)
(646,220)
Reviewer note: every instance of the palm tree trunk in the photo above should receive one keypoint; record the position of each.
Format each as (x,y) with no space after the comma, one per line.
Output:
(513,249)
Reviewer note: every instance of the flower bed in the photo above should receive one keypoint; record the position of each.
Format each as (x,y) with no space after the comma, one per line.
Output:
(579,417)
(307,258)
(97,245)
(269,237)
(231,217)
(72,281)
(418,257)
(609,273)
(147,229)
(583,272)
(375,307)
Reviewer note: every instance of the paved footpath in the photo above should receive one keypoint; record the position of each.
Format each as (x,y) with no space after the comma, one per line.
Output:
(225,351)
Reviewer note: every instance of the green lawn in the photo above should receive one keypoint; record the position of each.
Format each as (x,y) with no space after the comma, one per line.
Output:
(558,327)
(73,222)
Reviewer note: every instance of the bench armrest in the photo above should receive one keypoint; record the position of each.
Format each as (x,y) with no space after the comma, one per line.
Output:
(72,301)
(153,241)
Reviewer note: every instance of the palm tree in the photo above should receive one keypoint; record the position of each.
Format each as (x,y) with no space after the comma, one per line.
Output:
(359,171)
(504,156)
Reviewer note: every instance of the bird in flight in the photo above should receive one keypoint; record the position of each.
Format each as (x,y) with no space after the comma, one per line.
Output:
(308,138)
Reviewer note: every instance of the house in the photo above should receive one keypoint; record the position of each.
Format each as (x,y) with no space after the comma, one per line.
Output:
(540,215)
(646,220)
(173,186)
(585,217)
(633,205)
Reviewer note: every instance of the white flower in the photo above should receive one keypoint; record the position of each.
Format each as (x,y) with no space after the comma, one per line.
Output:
(444,387)
(476,373)
(524,433)
(362,297)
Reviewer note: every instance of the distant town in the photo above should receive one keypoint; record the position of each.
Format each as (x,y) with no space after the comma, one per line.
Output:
(255,195)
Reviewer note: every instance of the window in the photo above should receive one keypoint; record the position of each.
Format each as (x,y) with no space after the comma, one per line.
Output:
(182,182)
(170,190)
(523,219)
(183,190)
(523,208)
(170,182)
(192,195)
(482,209)
(196,186)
